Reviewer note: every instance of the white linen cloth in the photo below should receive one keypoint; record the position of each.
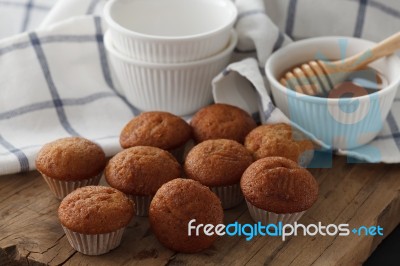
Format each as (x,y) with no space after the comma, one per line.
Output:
(56,80)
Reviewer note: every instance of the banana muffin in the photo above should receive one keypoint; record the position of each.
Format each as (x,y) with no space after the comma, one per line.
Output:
(94,218)
(139,172)
(177,203)
(219,164)
(69,163)
(279,140)
(277,189)
(158,129)
(221,121)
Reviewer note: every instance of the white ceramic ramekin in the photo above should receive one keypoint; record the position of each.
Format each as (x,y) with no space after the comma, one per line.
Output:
(180,88)
(339,123)
(171,31)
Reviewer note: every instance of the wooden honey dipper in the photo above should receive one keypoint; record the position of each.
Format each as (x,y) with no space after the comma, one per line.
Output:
(318,77)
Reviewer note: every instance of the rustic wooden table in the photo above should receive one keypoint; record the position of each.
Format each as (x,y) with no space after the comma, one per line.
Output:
(357,194)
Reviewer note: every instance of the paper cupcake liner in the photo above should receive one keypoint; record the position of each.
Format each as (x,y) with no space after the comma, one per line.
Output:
(63,188)
(230,196)
(142,204)
(94,244)
(266,217)
(188,146)
(179,152)
(305,158)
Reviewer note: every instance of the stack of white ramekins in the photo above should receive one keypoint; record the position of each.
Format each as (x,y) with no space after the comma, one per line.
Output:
(166,53)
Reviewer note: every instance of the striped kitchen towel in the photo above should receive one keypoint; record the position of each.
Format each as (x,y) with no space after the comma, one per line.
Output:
(56,80)
(18,16)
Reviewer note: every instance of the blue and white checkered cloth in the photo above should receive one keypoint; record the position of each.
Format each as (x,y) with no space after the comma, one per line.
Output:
(56,80)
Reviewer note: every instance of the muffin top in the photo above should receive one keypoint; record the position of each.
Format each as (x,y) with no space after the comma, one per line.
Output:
(174,205)
(95,210)
(158,129)
(276,140)
(69,159)
(141,170)
(221,121)
(219,162)
(279,185)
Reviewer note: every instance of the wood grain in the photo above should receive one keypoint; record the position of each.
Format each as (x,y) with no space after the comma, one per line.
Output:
(357,194)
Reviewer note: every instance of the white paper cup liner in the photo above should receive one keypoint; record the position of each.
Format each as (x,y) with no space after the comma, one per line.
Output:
(179,152)
(189,145)
(62,188)
(305,158)
(266,217)
(230,196)
(94,244)
(142,204)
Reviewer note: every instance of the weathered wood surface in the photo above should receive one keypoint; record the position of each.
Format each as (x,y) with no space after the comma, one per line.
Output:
(358,194)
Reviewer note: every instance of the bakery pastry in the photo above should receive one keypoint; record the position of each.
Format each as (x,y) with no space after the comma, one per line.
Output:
(221,121)
(139,172)
(158,129)
(94,218)
(279,140)
(69,163)
(219,164)
(175,204)
(277,189)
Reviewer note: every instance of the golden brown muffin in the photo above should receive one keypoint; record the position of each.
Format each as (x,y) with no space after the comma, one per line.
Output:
(219,162)
(158,129)
(141,170)
(279,185)
(70,159)
(221,121)
(95,210)
(276,140)
(174,205)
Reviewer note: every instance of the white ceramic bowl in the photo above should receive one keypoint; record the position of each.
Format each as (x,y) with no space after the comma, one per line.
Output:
(339,123)
(180,88)
(170,31)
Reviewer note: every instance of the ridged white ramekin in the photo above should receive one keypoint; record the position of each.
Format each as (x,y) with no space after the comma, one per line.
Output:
(338,123)
(159,32)
(266,217)
(180,89)
(94,244)
(62,188)
(230,196)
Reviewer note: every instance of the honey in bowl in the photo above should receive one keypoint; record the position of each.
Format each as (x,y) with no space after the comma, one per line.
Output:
(355,84)
(358,83)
